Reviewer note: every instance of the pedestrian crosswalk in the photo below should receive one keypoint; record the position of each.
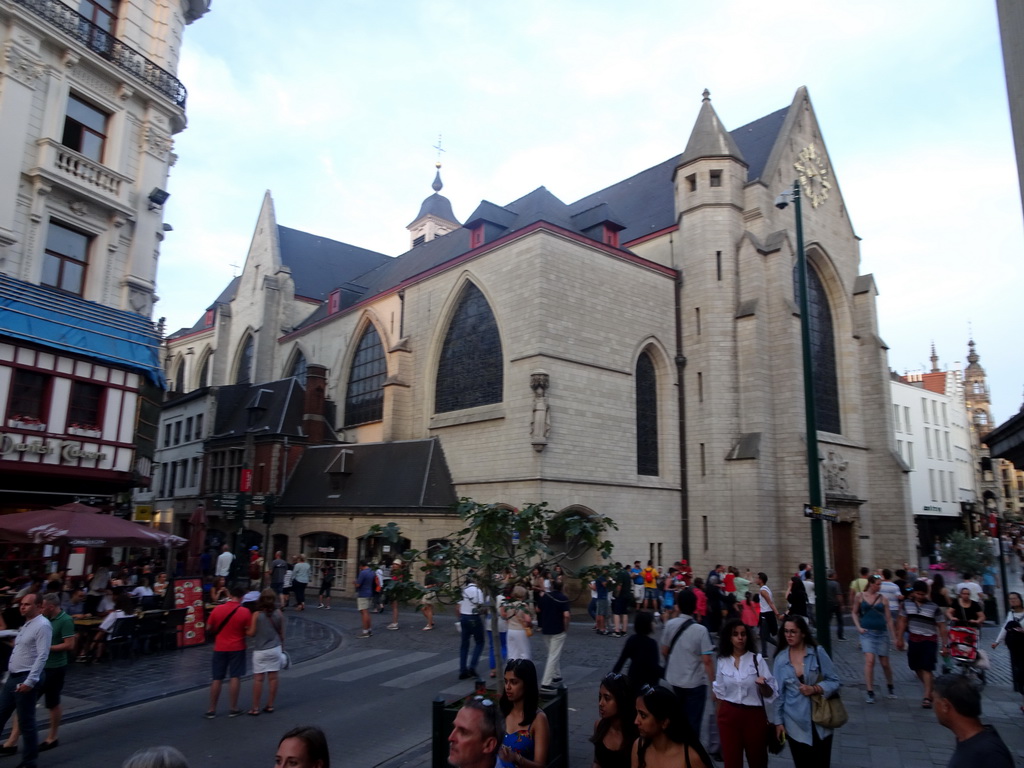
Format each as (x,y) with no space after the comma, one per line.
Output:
(411,669)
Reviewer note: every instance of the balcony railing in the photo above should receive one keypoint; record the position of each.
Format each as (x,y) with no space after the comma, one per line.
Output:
(61,163)
(107,46)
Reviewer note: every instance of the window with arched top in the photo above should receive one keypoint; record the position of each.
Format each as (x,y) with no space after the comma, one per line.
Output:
(470,371)
(204,373)
(646,416)
(179,377)
(364,400)
(823,351)
(980,418)
(299,367)
(243,374)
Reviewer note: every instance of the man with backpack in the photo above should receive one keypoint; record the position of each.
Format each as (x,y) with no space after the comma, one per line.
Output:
(689,659)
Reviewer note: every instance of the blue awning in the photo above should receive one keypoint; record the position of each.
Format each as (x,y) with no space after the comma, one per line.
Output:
(55,319)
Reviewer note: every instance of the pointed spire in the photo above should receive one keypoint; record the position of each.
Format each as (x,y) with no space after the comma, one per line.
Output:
(935,360)
(972,356)
(709,137)
(438,185)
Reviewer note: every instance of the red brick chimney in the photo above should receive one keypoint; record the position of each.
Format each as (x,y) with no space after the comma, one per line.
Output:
(314,411)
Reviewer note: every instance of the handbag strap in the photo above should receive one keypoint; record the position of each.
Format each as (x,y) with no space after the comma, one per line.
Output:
(757,671)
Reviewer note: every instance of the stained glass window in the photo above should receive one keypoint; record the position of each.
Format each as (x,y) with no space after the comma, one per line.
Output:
(470,371)
(244,373)
(823,351)
(646,416)
(365,399)
(299,368)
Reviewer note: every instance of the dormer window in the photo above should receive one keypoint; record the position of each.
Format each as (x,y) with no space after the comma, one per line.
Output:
(334,302)
(716,179)
(208,319)
(476,236)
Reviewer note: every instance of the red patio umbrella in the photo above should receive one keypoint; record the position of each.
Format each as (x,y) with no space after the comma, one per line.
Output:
(79,525)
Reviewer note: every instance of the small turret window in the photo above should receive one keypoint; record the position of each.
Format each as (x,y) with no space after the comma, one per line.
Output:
(691,182)
(716,178)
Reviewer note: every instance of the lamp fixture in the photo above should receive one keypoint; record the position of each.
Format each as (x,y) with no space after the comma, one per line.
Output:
(157,198)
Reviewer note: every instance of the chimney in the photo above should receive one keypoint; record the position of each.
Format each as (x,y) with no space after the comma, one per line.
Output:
(314,405)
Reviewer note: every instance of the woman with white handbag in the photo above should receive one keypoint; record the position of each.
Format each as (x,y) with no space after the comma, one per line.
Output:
(267,632)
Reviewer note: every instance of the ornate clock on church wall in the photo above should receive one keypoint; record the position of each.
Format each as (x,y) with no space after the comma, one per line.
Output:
(813,170)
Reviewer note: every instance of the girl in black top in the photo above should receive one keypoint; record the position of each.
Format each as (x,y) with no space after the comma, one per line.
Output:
(615,730)
(642,652)
(797,597)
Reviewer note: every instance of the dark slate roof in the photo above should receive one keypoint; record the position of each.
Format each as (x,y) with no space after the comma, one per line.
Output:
(272,408)
(225,298)
(319,264)
(641,205)
(407,475)
(757,139)
(645,203)
(436,205)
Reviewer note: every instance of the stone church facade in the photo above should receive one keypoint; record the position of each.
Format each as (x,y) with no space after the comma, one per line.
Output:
(634,354)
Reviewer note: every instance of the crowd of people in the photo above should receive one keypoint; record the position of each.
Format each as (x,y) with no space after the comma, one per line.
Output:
(694,633)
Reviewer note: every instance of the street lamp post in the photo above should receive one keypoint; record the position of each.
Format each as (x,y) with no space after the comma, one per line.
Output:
(816,499)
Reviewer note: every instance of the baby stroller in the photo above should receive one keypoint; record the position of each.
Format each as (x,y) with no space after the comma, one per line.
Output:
(964,652)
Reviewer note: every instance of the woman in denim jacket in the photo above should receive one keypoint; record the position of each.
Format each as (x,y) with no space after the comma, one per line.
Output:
(797,667)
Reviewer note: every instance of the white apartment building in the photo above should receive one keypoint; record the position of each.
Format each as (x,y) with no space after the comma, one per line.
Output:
(89,105)
(932,437)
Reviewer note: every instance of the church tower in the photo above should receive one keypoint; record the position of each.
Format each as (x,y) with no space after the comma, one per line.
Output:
(435,218)
(976,396)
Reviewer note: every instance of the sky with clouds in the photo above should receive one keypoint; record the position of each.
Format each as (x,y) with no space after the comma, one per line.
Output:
(335,105)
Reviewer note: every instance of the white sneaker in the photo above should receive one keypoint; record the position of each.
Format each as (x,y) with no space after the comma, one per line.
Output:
(392,626)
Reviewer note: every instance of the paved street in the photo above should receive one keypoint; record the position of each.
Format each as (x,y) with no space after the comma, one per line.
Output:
(373,699)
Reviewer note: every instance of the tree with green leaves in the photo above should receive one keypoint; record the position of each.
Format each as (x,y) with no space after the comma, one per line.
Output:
(499,545)
(965,554)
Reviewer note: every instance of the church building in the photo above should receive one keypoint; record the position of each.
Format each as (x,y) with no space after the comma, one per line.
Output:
(634,354)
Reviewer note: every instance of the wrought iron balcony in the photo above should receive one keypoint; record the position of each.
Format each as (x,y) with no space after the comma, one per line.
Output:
(101,42)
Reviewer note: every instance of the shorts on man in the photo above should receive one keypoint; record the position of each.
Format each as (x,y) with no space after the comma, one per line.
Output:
(51,686)
(364,603)
(228,664)
(922,654)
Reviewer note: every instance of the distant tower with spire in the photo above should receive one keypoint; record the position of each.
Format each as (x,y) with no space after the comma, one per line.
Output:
(976,395)
(436,217)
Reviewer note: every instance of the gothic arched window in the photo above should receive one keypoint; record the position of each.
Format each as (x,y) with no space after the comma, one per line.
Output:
(646,416)
(299,368)
(204,373)
(179,377)
(365,398)
(470,371)
(823,351)
(243,374)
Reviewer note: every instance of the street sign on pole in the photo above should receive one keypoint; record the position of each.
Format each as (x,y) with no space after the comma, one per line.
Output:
(820,513)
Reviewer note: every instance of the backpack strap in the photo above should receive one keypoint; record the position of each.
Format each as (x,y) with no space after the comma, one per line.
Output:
(676,636)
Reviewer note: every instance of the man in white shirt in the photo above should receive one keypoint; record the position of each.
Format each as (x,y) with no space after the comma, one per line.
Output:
(31,649)
(224,561)
(971,584)
(891,592)
(472,627)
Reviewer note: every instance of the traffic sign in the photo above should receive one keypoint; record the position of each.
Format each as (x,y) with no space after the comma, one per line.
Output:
(820,513)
